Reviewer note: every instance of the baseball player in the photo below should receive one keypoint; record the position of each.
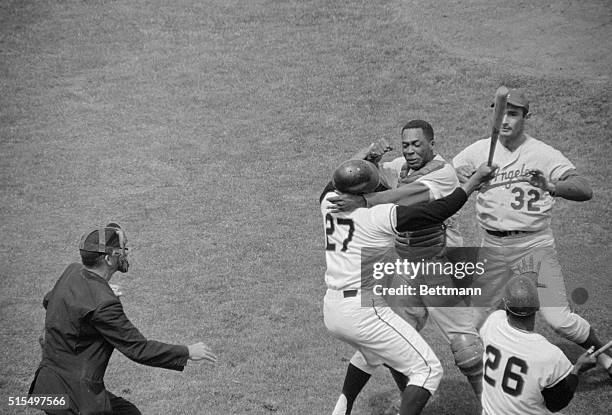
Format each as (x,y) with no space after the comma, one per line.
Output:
(524,373)
(514,210)
(379,334)
(422,175)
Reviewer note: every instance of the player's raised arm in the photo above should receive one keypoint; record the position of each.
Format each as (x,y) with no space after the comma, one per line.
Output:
(409,194)
(422,215)
(374,151)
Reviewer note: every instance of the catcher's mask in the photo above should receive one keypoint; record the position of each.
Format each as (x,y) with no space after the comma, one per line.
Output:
(98,241)
(521,296)
(356,177)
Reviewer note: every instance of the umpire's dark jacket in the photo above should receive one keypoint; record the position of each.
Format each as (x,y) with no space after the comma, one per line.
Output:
(85,322)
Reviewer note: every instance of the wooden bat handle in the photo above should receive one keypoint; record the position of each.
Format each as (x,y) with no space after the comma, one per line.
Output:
(501,98)
(602,349)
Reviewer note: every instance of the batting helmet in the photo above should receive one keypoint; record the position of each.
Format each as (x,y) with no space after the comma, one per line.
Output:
(521,296)
(356,177)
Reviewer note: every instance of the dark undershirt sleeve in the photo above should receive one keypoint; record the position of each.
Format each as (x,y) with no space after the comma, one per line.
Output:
(423,215)
(559,396)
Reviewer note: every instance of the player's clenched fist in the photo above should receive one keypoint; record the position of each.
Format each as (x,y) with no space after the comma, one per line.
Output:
(482,175)
(200,351)
(537,178)
(377,149)
(585,362)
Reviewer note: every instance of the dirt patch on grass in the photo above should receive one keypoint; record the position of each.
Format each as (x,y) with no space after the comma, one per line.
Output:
(566,38)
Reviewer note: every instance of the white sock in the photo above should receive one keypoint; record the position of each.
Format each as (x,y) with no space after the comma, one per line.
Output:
(340,408)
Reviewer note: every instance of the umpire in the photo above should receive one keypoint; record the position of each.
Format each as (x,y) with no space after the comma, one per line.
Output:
(85,322)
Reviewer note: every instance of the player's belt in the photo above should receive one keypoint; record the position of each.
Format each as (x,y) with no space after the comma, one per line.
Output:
(503,234)
(349,293)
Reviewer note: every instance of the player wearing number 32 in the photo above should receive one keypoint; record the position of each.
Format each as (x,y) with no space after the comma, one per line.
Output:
(351,312)
(524,373)
(514,210)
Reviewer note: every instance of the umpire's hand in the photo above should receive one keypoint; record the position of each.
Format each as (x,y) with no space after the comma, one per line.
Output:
(200,351)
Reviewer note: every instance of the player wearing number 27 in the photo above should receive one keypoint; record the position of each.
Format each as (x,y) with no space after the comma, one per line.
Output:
(351,312)
(514,210)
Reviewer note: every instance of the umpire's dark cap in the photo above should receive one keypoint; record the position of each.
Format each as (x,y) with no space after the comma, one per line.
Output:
(91,241)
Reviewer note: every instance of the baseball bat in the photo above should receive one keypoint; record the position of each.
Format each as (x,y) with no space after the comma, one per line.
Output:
(501,98)
(602,349)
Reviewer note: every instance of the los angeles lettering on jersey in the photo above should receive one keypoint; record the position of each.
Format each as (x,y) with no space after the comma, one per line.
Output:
(506,178)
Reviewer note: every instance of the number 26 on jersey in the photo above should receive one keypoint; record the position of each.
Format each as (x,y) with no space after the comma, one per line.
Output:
(511,378)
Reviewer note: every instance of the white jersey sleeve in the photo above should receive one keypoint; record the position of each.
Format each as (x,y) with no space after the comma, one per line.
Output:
(354,238)
(555,163)
(441,182)
(557,368)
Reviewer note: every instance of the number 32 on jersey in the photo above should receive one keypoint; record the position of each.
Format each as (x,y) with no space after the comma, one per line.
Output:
(529,199)
(340,225)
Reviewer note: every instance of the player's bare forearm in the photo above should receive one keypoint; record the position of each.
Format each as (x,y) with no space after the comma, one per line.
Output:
(405,195)
(570,186)
(573,187)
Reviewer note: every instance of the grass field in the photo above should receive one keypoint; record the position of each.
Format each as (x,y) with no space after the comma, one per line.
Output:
(208,128)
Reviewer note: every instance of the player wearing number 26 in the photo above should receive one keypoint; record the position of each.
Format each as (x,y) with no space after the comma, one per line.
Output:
(514,210)
(524,373)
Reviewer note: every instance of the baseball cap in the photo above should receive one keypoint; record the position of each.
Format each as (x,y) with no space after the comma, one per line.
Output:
(517,98)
